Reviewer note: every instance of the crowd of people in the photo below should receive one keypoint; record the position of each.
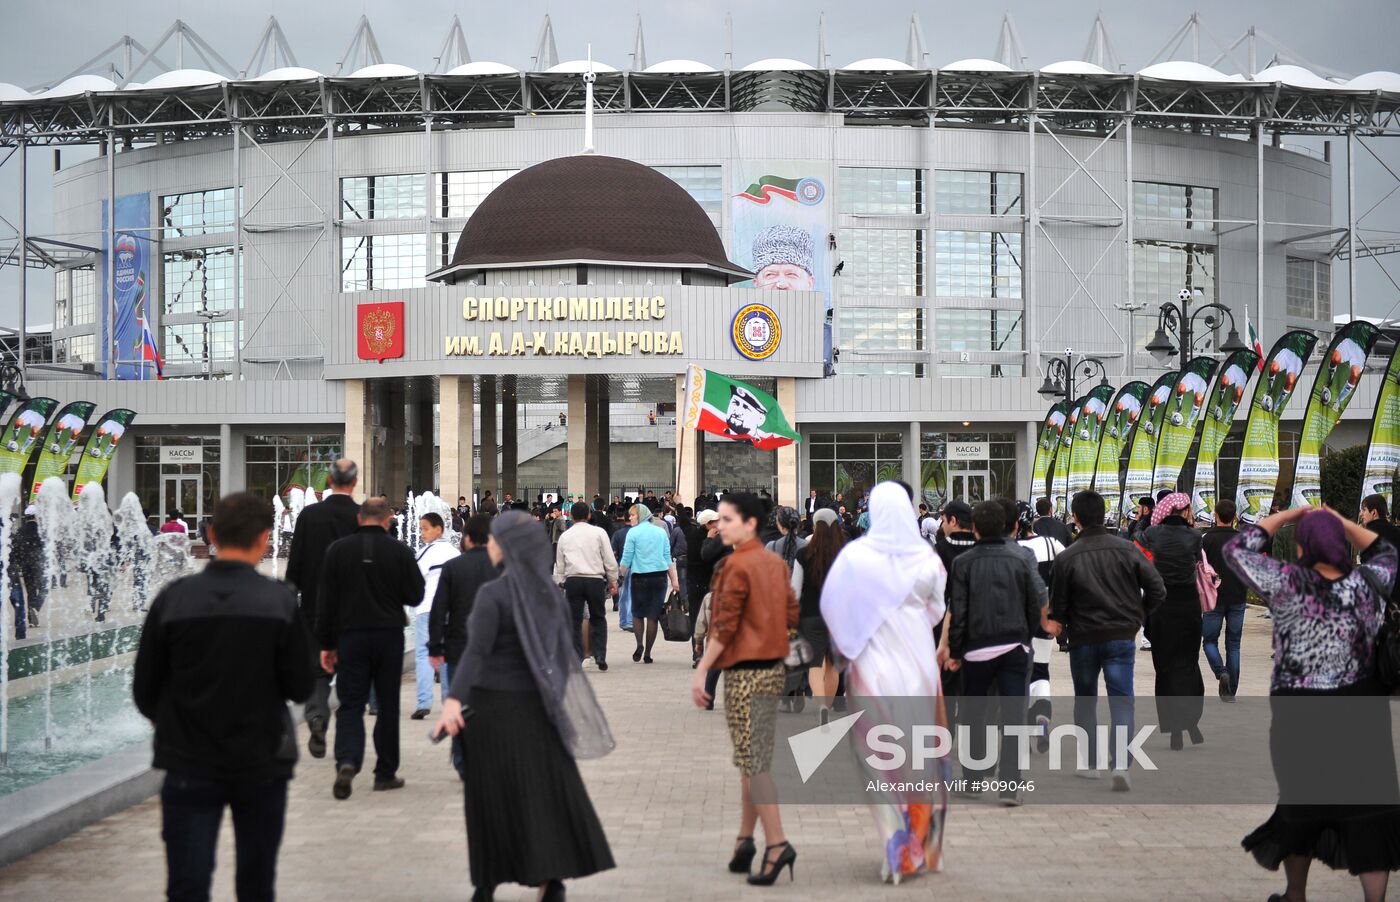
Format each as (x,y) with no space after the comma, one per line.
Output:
(864,603)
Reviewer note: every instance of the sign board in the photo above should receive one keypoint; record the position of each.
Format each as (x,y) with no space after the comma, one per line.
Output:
(972,451)
(182,454)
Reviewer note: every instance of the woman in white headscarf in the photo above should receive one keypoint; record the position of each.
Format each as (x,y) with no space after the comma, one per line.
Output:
(881,600)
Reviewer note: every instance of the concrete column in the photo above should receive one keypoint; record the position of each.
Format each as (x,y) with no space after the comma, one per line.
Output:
(394,474)
(225,460)
(1025,460)
(359,430)
(510,439)
(489,476)
(604,439)
(423,478)
(593,440)
(913,467)
(455,438)
(690,465)
(787,455)
(578,435)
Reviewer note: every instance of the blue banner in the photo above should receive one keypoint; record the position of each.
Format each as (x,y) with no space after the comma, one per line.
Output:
(131,273)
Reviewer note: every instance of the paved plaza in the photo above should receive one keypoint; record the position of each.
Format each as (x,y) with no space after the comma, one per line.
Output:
(668,799)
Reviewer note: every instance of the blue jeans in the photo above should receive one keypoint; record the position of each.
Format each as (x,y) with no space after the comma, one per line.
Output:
(1114,659)
(191,809)
(422,670)
(624,603)
(455,756)
(1233,619)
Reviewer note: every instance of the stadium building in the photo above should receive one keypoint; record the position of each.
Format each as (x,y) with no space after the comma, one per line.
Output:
(422,270)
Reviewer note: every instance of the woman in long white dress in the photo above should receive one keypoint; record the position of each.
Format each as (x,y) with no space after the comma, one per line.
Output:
(881,600)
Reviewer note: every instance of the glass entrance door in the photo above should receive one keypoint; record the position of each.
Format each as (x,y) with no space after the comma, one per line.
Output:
(182,493)
(969,486)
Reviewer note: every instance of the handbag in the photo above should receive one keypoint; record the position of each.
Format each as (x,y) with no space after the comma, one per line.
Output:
(800,652)
(1207,583)
(675,624)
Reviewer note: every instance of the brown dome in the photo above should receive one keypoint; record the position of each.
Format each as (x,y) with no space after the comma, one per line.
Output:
(589,209)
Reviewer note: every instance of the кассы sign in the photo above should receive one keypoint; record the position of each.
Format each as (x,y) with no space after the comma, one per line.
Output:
(182,454)
(967,450)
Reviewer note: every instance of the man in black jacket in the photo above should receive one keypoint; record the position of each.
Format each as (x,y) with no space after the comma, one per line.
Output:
(1102,591)
(996,602)
(317,527)
(1375,516)
(1230,601)
(220,656)
(368,580)
(1047,524)
(458,583)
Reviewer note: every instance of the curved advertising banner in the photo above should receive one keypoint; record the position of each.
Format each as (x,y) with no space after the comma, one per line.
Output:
(20,439)
(101,445)
(1184,407)
(1059,478)
(1333,388)
(59,442)
(1259,460)
(1123,417)
(1093,413)
(1142,454)
(1045,449)
(1225,399)
(1383,453)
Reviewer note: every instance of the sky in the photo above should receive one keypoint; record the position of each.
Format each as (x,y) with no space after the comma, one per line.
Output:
(1348,36)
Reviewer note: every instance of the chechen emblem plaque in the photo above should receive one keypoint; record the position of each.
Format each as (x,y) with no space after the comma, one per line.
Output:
(756,331)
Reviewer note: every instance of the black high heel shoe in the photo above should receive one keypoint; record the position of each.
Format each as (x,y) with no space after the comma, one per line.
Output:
(743,855)
(553,891)
(1196,736)
(771,869)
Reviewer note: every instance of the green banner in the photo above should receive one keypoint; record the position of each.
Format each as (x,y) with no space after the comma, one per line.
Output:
(101,445)
(1259,460)
(1333,388)
(21,437)
(1093,413)
(1225,399)
(1142,453)
(1045,449)
(1123,418)
(1059,478)
(1383,454)
(59,442)
(1184,408)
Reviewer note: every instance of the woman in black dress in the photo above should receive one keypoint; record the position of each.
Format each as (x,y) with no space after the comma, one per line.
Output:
(526,712)
(1174,628)
(814,561)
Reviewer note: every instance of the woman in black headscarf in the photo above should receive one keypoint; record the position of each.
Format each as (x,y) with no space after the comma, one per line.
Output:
(526,712)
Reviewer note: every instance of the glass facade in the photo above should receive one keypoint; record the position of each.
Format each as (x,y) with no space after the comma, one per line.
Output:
(198,343)
(978,193)
(1188,205)
(887,262)
(849,463)
(459,193)
(197,280)
(866,329)
(978,330)
(276,464)
(978,264)
(198,212)
(880,368)
(383,197)
(74,297)
(992,476)
(1309,289)
(382,261)
(1160,270)
(704,183)
(873,191)
(162,488)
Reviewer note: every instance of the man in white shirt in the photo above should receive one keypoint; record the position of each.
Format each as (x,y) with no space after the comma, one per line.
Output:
(436,551)
(584,564)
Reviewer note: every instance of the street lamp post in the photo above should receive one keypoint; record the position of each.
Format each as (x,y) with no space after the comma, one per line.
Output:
(1177,320)
(1060,372)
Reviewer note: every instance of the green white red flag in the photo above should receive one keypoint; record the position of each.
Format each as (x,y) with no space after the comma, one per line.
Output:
(735,410)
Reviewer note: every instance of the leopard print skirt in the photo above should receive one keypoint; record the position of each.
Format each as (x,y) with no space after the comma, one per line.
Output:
(750,709)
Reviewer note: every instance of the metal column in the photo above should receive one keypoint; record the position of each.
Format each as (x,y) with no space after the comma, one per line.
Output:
(1129,270)
(428,193)
(237,249)
(109,302)
(23,254)
(1351,223)
(1259,228)
(1032,225)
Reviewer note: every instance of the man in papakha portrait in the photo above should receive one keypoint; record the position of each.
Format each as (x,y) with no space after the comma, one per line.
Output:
(782,259)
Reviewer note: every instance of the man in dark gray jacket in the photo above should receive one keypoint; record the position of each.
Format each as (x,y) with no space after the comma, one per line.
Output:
(1101,592)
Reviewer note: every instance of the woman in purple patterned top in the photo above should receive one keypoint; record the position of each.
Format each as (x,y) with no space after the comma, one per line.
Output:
(1339,800)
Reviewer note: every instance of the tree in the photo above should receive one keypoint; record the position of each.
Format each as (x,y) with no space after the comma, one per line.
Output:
(1341,479)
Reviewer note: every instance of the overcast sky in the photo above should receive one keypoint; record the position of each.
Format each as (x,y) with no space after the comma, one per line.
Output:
(1347,36)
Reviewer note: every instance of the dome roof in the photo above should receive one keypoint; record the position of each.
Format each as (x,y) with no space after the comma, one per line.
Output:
(589,209)
(483,68)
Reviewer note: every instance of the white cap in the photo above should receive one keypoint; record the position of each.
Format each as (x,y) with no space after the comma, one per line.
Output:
(706,517)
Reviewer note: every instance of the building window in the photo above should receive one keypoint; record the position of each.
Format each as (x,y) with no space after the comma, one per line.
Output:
(82,349)
(191,488)
(460,193)
(849,463)
(867,191)
(881,368)
(978,479)
(381,261)
(62,298)
(276,464)
(1190,206)
(196,344)
(978,264)
(74,298)
(382,197)
(873,329)
(978,330)
(887,262)
(198,280)
(1309,289)
(704,183)
(198,212)
(966,193)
